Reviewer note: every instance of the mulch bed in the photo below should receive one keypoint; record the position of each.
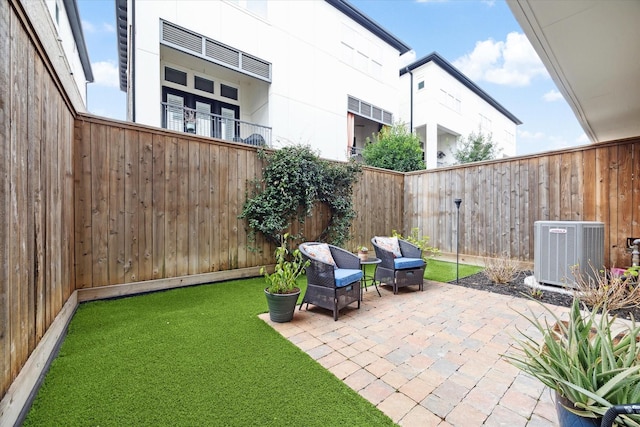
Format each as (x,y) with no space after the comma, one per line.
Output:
(517,288)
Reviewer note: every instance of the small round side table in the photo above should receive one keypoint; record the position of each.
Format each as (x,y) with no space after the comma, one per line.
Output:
(365,278)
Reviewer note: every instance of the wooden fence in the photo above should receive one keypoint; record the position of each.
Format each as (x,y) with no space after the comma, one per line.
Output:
(502,199)
(154,204)
(87,202)
(36,193)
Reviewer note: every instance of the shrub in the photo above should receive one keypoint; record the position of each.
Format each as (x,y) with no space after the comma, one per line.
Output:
(394,148)
(294,180)
(420,241)
(501,270)
(604,288)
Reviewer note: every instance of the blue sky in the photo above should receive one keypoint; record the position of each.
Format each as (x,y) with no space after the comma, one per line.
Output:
(480,37)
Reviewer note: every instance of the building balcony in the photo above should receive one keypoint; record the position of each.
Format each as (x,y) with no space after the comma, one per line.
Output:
(202,123)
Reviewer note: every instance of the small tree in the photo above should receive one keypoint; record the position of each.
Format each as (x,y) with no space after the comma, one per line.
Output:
(394,148)
(476,147)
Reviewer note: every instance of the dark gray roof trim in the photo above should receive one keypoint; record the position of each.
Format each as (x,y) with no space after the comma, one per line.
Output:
(444,64)
(121,28)
(76,28)
(348,9)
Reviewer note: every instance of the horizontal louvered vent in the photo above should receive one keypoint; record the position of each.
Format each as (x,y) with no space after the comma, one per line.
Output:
(223,54)
(354,105)
(214,51)
(182,38)
(369,111)
(256,66)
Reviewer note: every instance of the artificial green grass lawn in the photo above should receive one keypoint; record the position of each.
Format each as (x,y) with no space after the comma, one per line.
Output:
(196,356)
(442,271)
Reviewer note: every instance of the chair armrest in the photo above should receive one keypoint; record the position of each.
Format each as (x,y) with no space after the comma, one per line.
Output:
(409,250)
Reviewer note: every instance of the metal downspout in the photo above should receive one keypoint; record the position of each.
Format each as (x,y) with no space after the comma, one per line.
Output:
(410,99)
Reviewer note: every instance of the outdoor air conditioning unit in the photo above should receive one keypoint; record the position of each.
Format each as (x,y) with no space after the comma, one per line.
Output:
(561,245)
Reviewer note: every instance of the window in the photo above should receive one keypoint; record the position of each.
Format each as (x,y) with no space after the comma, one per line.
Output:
(421,85)
(203,84)
(175,76)
(229,92)
(485,123)
(257,7)
(449,100)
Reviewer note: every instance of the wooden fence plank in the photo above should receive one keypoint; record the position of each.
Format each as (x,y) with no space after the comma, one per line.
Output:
(223,215)
(612,195)
(204,218)
(5,194)
(173,184)
(131,205)
(194,206)
(239,224)
(589,178)
(183,208)
(18,261)
(232,199)
(116,237)
(99,204)
(214,171)
(158,235)
(146,214)
(83,205)
(30,216)
(626,172)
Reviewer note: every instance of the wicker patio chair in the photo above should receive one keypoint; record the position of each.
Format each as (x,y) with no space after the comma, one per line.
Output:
(402,263)
(333,277)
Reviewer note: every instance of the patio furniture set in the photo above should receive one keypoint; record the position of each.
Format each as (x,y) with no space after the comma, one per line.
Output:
(336,277)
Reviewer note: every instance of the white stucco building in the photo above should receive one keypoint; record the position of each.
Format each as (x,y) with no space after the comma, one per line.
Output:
(58,26)
(317,72)
(288,71)
(442,105)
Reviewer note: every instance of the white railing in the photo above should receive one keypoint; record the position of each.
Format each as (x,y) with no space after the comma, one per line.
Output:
(214,125)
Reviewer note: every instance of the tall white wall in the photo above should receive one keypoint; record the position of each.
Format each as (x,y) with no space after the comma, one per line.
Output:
(312,73)
(72,65)
(446,103)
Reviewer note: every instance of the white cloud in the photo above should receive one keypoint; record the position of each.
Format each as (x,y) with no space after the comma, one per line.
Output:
(88,27)
(108,28)
(530,135)
(552,95)
(583,139)
(106,73)
(512,62)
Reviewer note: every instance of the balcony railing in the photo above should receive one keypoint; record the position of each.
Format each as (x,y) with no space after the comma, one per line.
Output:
(214,125)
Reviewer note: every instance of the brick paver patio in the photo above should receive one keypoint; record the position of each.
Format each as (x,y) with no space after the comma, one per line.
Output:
(429,358)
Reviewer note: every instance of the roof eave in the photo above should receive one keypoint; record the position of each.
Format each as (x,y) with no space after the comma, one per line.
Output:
(71,8)
(121,28)
(358,16)
(458,75)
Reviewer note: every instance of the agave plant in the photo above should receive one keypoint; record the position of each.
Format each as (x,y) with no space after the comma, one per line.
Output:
(589,360)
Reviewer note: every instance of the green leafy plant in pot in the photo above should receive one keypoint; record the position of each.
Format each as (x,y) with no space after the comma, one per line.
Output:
(591,362)
(282,291)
